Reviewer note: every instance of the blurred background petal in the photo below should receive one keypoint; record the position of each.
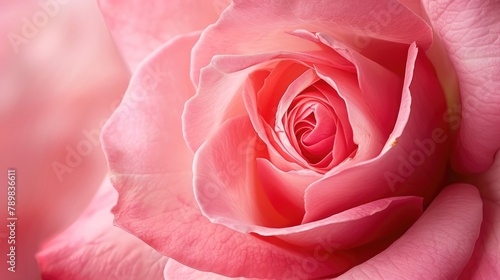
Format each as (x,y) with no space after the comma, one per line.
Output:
(60,78)
(140,26)
(94,249)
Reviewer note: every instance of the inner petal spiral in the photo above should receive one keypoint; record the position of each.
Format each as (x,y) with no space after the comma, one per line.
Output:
(314,128)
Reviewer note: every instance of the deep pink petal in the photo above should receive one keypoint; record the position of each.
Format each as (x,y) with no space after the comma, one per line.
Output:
(262,102)
(293,89)
(225,183)
(366,133)
(470,31)
(145,137)
(140,26)
(365,25)
(56,91)
(484,263)
(93,248)
(285,190)
(175,270)
(437,246)
(413,165)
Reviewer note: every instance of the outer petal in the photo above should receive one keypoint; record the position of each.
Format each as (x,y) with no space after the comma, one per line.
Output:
(484,263)
(140,26)
(437,246)
(470,31)
(48,89)
(93,248)
(160,208)
(364,26)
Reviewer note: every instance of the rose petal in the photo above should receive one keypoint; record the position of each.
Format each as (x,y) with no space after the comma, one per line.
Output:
(293,89)
(140,26)
(374,80)
(208,109)
(366,133)
(388,23)
(473,45)
(160,208)
(175,270)
(225,182)
(229,193)
(400,168)
(152,106)
(103,252)
(484,262)
(262,102)
(187,236)
(437,246)
(382,219)
(285,190)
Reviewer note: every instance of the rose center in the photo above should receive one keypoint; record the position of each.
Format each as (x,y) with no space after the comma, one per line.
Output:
(313,129)
(317,127)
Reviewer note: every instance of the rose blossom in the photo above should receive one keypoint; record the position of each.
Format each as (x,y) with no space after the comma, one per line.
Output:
(298,139)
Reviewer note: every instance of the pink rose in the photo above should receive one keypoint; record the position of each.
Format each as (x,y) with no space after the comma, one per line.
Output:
(308,139)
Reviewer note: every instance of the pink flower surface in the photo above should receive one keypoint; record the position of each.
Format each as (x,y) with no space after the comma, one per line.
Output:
(141,26)
(50,81)
(298,140)
(87,248)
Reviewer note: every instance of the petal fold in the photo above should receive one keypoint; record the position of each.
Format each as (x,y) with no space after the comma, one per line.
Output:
(470,32)
(367,26)
(484,262)
(93,248)
(437,246)
(139,27)
(411,164)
